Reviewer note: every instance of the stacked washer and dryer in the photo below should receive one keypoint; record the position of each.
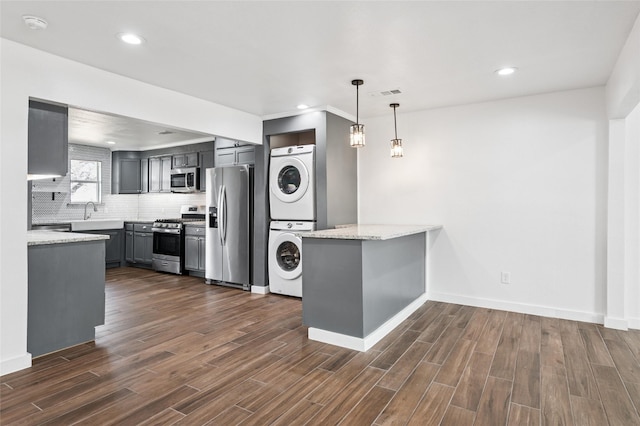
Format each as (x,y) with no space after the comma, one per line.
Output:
(293,210)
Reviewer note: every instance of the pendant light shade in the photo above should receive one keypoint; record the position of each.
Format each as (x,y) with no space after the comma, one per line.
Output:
(396,144)
(356,135)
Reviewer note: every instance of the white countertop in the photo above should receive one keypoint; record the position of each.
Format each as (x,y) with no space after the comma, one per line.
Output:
(37,238)
(369,232)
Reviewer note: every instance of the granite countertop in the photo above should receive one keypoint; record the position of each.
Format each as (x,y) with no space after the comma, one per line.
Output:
(38,238)
(369,232)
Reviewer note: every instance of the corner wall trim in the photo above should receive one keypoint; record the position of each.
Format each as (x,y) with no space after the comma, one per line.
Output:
(14,364)
(366,343)
(616,323)
(259,289)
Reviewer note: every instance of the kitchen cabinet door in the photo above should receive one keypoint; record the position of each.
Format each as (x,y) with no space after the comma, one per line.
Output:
(113,247)
(165,180)
(160,174)
(142,247)
(148,248)
(185,160)
(191,253)
(47,139)
(144,175)
(128,246)
(202,244)
(234,156)
(129,176)
(246,155)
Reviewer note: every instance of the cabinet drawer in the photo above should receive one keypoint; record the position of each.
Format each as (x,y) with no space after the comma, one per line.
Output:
(142,227)
(128,226)
(195,230)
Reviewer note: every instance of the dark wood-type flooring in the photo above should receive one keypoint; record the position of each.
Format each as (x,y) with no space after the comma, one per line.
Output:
(176,351)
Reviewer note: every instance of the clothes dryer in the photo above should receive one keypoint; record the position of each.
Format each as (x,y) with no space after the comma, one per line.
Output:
(285,256)
(292,183)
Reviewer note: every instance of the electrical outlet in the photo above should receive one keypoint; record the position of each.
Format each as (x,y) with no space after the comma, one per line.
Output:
(505,277)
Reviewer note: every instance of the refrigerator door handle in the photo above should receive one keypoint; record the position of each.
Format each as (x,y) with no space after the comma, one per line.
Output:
(224,218)
(220,215)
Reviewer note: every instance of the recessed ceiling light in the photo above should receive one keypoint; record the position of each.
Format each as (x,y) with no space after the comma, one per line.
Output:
(35,22)
(131,38)
(111,143)
(303,106)
(506,71)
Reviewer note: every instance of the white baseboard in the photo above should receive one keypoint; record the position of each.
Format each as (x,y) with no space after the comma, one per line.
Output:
(522,308)
(259,289)
(366,343)
(617,323)
(634,323)
(14,364)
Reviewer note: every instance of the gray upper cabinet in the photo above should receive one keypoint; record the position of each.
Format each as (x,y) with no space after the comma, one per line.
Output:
(144,175)
(129,173)
(160,174)
(48,139)
(206,162)
(230,153)
(185,160)
(129,176)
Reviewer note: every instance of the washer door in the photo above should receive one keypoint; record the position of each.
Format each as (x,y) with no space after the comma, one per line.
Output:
(289,179)
(288,256)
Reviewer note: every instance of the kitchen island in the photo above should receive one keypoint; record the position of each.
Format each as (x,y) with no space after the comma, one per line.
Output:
(361,281)
(66,283)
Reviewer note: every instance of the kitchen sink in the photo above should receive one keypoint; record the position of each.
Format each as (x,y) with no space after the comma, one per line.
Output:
(96,224)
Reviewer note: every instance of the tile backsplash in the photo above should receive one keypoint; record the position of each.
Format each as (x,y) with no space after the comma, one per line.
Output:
(51,199)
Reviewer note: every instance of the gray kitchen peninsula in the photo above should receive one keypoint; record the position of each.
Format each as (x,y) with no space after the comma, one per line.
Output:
(66,298)
(361,281)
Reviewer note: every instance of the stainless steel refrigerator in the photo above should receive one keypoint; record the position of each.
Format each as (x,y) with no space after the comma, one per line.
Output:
(229,226)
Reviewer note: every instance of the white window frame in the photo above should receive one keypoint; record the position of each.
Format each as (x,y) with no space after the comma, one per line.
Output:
(98,194)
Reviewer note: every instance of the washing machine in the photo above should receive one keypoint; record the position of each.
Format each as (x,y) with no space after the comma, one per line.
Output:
(285,256)
(292,183)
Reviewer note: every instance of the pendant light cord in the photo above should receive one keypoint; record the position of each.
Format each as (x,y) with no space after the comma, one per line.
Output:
(395,123)
(357,102)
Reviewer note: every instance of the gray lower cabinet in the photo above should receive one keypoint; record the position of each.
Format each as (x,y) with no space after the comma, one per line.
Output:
(194,249)
(138,244)
(113,246)
(66,295)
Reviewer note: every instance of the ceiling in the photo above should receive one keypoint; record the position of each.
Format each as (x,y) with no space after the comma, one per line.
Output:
(126,133)
(266,57)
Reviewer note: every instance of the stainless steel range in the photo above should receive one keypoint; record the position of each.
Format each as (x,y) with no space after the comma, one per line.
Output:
(168,239)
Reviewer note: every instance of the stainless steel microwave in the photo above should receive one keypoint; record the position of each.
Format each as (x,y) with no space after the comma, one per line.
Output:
(185,180)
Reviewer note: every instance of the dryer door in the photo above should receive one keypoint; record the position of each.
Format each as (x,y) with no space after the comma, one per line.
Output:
(288,257)
(289,179)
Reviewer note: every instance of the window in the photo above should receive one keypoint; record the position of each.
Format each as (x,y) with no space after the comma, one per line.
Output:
(86,181)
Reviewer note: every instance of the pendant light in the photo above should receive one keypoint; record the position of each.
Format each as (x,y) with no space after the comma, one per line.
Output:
(396,144)
(356,135)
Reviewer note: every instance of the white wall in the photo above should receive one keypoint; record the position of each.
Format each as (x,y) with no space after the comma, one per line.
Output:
(26,72)
(519,185)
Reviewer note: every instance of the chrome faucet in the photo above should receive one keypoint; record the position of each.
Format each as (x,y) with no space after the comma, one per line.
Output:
(95,209)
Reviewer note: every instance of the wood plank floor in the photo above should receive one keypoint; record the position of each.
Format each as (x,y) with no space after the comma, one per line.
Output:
(176,351)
